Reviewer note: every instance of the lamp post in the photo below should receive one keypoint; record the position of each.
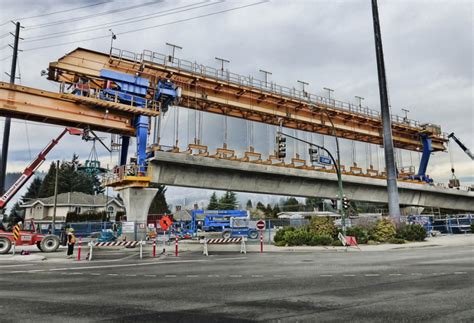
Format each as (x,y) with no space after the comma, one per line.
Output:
(222,60)
(266,73)
(329,92)
(112,38)
(173,46)
(303,83)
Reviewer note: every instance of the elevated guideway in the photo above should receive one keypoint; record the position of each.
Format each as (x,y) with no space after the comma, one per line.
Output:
(180,169)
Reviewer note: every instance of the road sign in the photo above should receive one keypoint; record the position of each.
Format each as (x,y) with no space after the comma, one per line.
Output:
(165,223)
(260,225)
(128,227)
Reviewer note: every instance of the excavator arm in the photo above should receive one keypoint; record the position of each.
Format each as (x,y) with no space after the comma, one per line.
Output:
(464,148)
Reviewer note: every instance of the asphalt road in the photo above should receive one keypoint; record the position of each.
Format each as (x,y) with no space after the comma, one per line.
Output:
(409,285)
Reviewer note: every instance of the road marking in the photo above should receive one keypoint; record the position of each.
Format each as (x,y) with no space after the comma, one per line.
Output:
(257,276)
(112,274)
(213,276)
(235,276)
(460,272)
(149,275)
(76,273)
(18,272)
(131,275)
(394,274)
(325,275)
(22,265)
(371,275)
(192,276)
(170,276)
(416,274)
(35,271)
(279,276)
(349,275)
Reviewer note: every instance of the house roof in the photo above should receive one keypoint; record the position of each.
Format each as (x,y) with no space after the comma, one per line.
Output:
(75,199)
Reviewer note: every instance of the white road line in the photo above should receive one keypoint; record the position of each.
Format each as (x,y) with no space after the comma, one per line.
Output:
(212,275)
(460,272)
(235,276)
(371,275)
(257,276)
(149,275)
(35,271)
(21,265)
(112,274)
(170,276)
(394,274)
(18,272)
(279,276)
(131,275)
(349,275)
(76,273)
(325,275)
(416,274)
(192,276)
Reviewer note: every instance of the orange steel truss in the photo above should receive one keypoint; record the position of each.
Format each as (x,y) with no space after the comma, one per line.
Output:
(231,95)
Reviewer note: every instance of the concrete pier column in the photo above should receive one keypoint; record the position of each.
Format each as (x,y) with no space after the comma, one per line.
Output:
(137,202)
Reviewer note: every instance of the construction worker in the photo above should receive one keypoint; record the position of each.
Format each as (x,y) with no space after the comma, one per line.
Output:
(71,241)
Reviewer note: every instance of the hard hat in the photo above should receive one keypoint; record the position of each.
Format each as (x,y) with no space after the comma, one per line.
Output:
(71,230)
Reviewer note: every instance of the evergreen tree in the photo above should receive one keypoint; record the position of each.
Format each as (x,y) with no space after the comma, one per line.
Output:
(213,202)
(33,191)
(275,211)
(228,201)
(47,186)
(260,206)
(249,205)
(268,211)
(159,205)
(291,205)
(312,203)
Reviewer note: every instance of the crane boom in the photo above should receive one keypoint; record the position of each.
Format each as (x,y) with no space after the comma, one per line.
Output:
(464,148)
(34,165)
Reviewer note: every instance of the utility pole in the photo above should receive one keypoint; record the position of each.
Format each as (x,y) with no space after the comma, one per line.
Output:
(53,226)
(266,73)
(392,189)
(6,128)
(171,58)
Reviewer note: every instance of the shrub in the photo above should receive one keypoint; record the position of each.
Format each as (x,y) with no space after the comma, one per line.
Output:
(279,235)
(383,230)
(298,237)
(322,226)
(411,232)
(361,234)
(321,240)
(396,241)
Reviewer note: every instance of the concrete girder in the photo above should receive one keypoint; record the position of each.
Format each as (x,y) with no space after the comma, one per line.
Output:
(201,172)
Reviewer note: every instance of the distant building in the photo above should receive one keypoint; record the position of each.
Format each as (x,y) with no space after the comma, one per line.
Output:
(41,210)
(304,215)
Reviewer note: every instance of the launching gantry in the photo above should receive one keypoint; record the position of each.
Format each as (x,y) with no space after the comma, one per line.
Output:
(213,90)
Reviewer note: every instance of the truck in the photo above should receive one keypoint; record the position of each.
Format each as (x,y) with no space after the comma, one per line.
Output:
(230,223)
(28,237)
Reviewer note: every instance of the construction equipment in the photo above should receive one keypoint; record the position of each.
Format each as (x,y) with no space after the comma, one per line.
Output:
(464,148)
(44,242)
(33,167)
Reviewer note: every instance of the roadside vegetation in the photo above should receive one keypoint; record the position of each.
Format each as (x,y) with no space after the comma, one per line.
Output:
(321,231)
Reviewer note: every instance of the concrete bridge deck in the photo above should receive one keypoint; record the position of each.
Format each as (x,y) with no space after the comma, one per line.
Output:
(179,169)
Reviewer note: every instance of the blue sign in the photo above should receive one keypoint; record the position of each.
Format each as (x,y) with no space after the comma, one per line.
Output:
(325,160)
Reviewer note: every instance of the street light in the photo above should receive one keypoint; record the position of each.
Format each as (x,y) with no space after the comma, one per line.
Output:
(266,73)
(170,58)
(360,100)
(222,60)
(112,38)
(405,119)
(303,84)
(329,92)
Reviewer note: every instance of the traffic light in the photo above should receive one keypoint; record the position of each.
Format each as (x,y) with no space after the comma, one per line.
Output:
(281,146)
(345,203)
(314,155)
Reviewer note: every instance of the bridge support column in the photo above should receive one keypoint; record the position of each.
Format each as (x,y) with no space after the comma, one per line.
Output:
(137,202)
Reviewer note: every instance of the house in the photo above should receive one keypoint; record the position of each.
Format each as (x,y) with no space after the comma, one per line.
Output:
(41,210)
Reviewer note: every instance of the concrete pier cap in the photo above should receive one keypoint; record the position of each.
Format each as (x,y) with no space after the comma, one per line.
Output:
(137,201)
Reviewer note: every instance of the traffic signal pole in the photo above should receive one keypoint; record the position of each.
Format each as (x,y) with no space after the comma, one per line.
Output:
(338,172)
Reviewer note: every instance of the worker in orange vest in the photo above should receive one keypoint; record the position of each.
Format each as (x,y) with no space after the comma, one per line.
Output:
(71,241)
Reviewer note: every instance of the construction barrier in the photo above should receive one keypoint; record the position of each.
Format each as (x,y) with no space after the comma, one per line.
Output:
(241,240)
(348,241)
(130,244)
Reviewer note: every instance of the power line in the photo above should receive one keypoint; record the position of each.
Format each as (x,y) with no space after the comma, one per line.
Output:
(108,12)
(122,22)
(150,27)
(61,11)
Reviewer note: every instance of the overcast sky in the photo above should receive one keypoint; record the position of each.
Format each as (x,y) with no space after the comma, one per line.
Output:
(428,49)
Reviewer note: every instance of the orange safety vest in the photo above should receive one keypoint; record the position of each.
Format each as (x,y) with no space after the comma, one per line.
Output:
(73,238)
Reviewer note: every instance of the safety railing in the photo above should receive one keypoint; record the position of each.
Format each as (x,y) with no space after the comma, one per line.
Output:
(131,172)
(207,71)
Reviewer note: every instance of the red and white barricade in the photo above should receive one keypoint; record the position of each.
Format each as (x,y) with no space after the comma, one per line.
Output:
(127,244)
(205,241)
